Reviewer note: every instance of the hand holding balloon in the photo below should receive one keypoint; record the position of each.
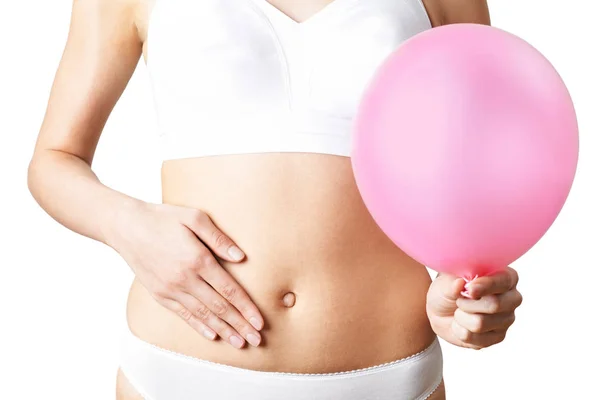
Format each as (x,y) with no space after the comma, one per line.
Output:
(464,152)
(479,321)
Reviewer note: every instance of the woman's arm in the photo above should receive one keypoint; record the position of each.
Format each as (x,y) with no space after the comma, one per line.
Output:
(101,54)
(444,12)
(165,245)
(483,319)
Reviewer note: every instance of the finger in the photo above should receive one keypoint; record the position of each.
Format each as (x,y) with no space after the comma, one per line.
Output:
(492,304)
(224,310)
(188,317)
(201,224)
(476,340)
(443,293)
(224,284)
(201,312)
(497,283)
(481,323)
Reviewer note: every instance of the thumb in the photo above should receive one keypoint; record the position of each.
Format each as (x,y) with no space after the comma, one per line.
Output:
(443,293)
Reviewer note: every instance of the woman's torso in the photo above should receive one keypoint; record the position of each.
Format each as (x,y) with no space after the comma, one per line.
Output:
(299,218)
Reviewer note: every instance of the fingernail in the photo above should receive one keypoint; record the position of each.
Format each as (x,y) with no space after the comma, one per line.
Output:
(475,289)
(235,253)
(236,341)
(208,334)
(255,323)
(253,339)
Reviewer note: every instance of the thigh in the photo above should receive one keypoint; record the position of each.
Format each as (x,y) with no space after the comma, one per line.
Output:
(439,394)
(125,391)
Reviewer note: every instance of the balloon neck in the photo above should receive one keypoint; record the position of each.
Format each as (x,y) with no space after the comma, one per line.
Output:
(468,279)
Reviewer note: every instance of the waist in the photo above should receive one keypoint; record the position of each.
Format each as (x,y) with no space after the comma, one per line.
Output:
(213,135)
(359,300)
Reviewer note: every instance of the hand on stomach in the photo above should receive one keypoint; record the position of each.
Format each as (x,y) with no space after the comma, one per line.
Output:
(334,292)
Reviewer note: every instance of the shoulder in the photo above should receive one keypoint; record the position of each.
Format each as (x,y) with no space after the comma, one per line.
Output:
(115,14)
(104,8)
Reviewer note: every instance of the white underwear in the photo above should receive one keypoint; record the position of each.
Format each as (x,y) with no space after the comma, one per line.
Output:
(159,374)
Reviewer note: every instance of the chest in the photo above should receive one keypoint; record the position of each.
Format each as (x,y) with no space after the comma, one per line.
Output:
(300,11)
(252,52)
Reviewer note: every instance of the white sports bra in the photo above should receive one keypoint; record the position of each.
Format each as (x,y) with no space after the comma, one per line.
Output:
(240,76)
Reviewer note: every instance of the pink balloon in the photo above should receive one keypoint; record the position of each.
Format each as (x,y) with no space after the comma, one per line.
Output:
(465,148)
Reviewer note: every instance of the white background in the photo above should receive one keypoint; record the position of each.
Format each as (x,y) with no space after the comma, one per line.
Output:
(62,296)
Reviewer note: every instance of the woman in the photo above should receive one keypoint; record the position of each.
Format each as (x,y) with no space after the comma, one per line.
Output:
(261,275)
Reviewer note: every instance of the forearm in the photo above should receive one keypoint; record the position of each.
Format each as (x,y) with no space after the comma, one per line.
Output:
(68,190)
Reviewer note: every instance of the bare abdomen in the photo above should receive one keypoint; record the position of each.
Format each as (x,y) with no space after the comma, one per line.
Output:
(359,300)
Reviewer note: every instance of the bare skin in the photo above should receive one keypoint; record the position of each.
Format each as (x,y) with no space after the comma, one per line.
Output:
(312,253)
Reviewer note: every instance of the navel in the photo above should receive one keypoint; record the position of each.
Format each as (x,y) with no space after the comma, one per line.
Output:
(289,299)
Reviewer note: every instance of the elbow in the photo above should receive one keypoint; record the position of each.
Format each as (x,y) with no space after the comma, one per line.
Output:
(32,174)
(36,170)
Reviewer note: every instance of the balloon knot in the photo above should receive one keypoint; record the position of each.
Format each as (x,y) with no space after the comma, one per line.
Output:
(468,280)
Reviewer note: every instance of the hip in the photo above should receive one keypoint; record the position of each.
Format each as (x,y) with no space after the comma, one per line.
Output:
(153,373)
